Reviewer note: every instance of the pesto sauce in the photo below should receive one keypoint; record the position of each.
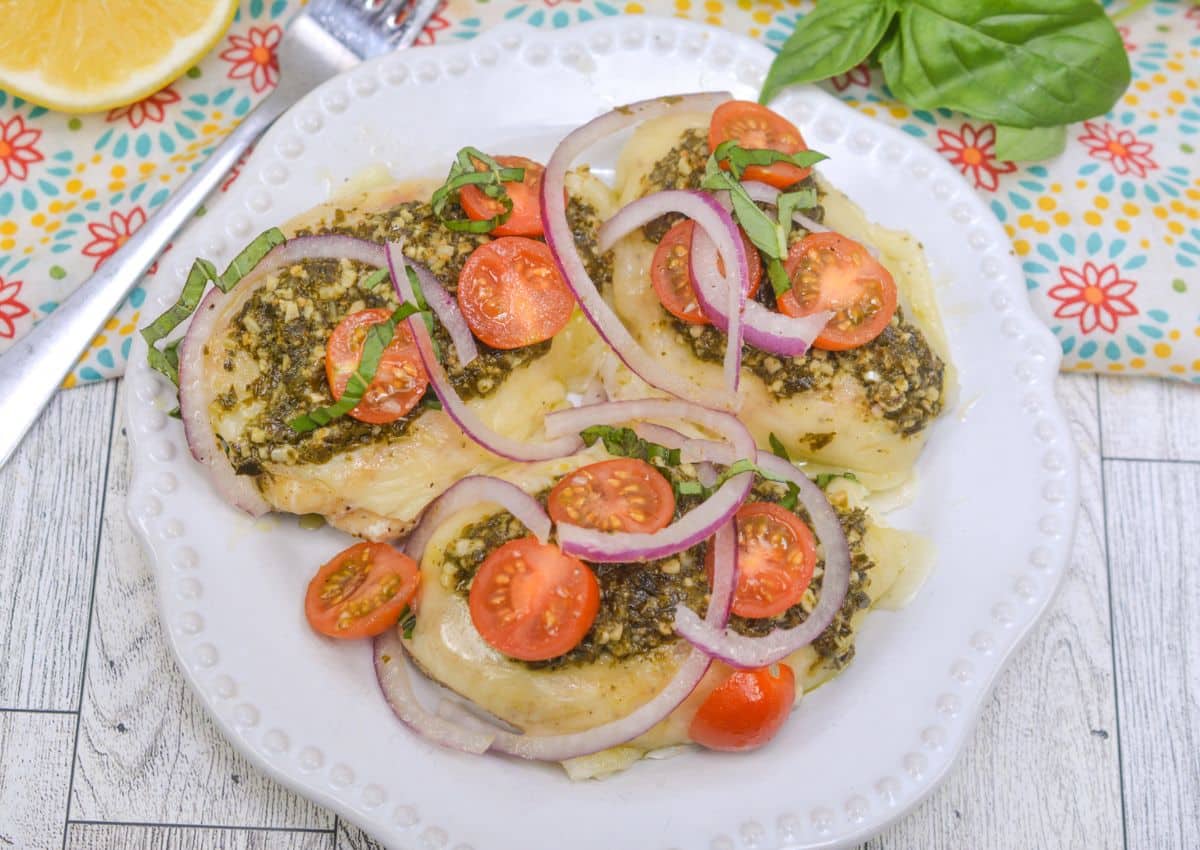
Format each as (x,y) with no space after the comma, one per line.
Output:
(285,324)
(638,600)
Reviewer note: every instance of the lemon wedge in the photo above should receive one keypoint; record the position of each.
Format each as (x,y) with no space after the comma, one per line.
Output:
(86,56)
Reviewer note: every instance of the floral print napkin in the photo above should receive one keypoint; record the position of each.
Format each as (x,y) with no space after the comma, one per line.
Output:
(1108,234)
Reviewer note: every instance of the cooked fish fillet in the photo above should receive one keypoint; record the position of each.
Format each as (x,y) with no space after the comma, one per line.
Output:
(867,410)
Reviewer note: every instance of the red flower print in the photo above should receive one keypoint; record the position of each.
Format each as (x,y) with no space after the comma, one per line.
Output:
(1193,14)
(253,55)
(860,75)
(17,152)
(1096,296)
(152,108)
(1125,35)
(1120,147)
(973,151)
(107,238)
(10,307)
(236,171)
(437,22)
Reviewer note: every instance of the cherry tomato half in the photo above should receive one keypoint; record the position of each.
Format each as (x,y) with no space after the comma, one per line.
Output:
(831,272)
(533,602)
(671,272)
(777,555)
(526,218)
(361,592)
(755,127)
(511,293)
(400,380)
(625,494)
(746,710)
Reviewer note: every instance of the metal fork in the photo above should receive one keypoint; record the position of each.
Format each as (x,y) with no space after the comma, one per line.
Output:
(326,39)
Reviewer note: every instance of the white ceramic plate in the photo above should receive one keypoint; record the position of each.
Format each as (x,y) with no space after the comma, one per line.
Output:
(998,487)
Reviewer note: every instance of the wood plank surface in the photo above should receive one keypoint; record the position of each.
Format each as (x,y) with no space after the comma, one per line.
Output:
(1149,418)
(89,836)
(1154,535)
(35,767)
(352,838)
(147,750)
(53,487)
(1042,770)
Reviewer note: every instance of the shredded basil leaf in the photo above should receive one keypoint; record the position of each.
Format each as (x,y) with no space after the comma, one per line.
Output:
(375,278)
(408,622)
(626,443)
(777,447)
(740,158)
(166,360)
(431,401)
(378,338)
(490,180)
(824,479)
(689,488)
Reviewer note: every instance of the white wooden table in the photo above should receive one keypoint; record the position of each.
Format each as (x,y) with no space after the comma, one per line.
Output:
(1091,739)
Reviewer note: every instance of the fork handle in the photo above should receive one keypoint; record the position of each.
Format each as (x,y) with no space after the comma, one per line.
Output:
(34,368)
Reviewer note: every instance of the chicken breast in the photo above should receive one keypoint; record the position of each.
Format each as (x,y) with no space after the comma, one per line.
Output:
(263,365)
(628,655)
(866,410)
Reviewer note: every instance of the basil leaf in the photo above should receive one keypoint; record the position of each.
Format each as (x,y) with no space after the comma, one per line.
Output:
(166,360)
(423,306)
(758,225)
(690,488)
(375,278)
(777,447)
(490,180)
(777,274)
(1024,63)
(829,40)
(1017,144)
(250,257)
(740,158)
(624,442)
(378,338)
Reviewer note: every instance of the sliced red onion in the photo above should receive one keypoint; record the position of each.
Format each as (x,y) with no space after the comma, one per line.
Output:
(446,307)
(452,403)
(469,492)
(239,490)
(391,672)
(649,714)
(741,651)
(722,233)
(698,524)
(764,329)
(765,194)
(562,244)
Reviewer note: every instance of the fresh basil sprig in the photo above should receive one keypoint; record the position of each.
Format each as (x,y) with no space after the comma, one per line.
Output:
(165,360)
(625,442)
(465,172)
(1024,65)
(378,338)
(769,235)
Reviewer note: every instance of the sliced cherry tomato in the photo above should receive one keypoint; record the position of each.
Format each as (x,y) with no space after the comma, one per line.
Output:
(671,275)
(400,380)
(756,127)
(533,602)
(526,218)
(512,294)
(830,272)
(777,555)
(746,710)
(361,592)
(625,494)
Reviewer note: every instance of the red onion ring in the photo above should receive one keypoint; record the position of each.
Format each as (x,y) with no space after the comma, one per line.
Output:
(764,329)
(452,403)
(566,254)
(446,307)
(696,525)
(722,233)
(741,651)
(469,492)
(391,672)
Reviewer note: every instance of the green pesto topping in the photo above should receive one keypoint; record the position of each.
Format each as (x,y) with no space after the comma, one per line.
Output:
(638,600)
(683,168)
